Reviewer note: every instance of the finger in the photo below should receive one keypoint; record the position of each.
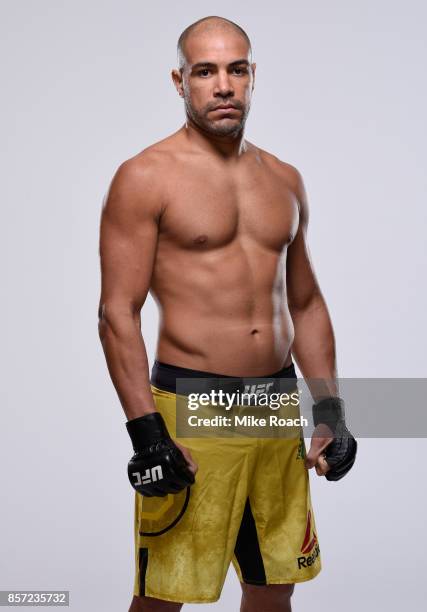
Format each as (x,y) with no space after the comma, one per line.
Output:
(317,447)
(192,465)
(322,466)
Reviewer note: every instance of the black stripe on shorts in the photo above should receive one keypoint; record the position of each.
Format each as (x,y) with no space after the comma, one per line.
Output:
(247,550)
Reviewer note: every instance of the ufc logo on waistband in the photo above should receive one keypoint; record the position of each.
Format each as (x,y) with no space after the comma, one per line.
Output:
(258,389)
(150,475)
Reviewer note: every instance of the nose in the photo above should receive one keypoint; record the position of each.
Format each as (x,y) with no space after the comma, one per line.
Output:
(223,87)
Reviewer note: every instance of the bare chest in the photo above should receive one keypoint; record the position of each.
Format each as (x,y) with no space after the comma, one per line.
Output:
(206,211)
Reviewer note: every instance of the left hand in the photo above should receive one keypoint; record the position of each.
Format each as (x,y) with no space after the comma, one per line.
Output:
(321,438)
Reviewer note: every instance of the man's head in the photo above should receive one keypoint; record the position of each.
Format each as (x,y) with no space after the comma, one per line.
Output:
(215,68)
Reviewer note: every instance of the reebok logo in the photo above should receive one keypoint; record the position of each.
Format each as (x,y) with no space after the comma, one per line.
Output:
(150,475)
(309,543)
(309,538)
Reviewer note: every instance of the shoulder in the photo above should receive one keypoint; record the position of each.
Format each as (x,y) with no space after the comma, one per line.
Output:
(285,172)
(137,184)
(145,169)
(288,175)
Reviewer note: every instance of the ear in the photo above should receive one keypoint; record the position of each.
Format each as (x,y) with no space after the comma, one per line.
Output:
(176,75)
(253,66)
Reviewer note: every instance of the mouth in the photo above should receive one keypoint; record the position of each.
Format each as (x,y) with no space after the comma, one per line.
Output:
(224,106)
(224,109)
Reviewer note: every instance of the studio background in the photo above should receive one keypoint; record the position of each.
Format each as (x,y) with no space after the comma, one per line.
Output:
(341,94)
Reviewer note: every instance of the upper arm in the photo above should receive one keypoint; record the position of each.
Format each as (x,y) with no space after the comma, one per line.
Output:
(301,280)
(128,235)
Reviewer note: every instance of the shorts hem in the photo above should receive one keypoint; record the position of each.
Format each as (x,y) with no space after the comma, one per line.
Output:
(282,580)
(184,600)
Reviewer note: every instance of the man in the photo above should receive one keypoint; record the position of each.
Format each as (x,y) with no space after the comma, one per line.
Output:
(215,228)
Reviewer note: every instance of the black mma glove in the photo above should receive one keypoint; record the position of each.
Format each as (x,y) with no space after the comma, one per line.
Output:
(341,452)
(158,467)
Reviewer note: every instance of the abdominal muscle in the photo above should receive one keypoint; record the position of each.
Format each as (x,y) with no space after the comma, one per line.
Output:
(231,319)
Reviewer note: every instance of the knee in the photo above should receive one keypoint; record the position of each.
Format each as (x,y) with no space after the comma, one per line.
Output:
(150,604)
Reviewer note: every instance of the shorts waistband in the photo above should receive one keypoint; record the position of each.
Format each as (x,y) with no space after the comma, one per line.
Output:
(164,376)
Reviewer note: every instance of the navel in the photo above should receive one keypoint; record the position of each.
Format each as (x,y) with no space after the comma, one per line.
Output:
(201,239)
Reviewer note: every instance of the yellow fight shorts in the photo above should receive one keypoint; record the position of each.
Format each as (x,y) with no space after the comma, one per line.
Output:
(250,505)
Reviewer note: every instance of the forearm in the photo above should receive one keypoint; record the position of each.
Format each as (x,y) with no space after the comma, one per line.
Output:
(314,347)
(127,362)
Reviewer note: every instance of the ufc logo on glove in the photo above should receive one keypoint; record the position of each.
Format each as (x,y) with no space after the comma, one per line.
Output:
(150,475)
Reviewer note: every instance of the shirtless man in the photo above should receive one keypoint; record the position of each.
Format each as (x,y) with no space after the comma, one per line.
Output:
(216,229)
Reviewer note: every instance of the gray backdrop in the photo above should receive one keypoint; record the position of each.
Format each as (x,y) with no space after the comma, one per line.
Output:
(341,94)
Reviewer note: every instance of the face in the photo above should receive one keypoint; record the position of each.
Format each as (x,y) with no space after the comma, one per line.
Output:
(217,73)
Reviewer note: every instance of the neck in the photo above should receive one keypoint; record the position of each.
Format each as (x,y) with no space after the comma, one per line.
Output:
(228,146)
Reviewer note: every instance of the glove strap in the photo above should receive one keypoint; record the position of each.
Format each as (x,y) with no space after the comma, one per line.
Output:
(147,430)
(329,411)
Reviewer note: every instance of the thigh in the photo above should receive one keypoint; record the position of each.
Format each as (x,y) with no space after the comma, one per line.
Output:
(268,598)
(277,541)
(189,561)
(148,604)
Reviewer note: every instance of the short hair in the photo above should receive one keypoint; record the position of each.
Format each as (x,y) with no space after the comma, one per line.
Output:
(186,33)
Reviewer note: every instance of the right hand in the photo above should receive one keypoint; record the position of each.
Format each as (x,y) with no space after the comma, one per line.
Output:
(333,448)
(158,466)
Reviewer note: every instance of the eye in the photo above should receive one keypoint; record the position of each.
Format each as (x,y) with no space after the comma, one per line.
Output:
(240,70)
(203,72)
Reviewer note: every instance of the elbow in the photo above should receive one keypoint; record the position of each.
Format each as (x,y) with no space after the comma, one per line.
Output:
(102,322)
(310,302)
(115,317)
